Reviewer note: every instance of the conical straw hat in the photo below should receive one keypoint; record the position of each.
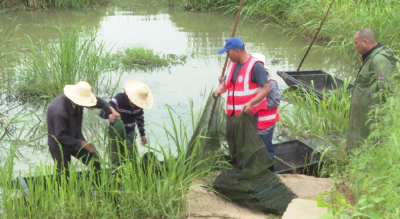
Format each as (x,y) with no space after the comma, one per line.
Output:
(261,57)
(80,94)
(139,94)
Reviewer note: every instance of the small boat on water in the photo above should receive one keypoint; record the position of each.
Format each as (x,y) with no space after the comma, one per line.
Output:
(320,80)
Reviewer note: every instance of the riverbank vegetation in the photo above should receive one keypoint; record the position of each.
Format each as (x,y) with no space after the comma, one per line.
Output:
(49,4)
(303,17)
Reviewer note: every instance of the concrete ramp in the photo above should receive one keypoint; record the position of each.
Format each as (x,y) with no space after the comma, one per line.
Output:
(303,209)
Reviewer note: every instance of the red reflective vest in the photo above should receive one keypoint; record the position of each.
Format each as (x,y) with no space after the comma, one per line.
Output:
(245,90)
(267,117)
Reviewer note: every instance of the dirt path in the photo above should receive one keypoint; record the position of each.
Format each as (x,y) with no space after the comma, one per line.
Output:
(206,204)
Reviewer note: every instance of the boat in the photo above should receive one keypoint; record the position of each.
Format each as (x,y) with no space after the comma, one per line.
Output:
(296,156)
(321,81)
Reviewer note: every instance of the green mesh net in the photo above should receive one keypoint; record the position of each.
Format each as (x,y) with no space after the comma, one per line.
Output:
(249,182)
(121,149)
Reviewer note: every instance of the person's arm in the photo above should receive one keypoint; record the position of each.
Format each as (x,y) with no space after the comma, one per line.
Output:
(274,96)
(140,125)
(221,89)
(105,113)
(383,71)
(260,95)
(259,76)
(102,104)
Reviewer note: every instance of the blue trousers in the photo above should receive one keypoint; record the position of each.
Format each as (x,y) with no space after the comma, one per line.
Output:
(267,139)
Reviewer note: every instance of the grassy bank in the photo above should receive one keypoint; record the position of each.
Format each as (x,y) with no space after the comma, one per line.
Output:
(49,4)
(303,16)
(368,186)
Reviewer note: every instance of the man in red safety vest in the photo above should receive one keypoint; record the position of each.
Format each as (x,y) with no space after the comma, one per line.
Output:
(250,89)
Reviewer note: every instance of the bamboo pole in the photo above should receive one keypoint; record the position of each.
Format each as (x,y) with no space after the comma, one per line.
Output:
(226,62)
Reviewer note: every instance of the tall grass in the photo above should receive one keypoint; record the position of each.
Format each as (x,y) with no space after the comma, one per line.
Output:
(137,189)
(371,178)
(49,66)
(53,4)
(307,116)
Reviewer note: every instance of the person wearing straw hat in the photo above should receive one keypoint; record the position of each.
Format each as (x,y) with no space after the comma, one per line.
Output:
(64,124)
(130,105)
(250,89)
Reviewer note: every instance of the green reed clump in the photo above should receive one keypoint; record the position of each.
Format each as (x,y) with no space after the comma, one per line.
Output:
(145,59)
(309,117)
(49,66)
(371,177)
(53,4)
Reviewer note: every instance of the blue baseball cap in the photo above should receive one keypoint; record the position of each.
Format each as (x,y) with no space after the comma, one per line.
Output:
(232,43)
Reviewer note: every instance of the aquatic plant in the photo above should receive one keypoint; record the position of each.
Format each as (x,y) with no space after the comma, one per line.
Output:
(144,59)
(48,66)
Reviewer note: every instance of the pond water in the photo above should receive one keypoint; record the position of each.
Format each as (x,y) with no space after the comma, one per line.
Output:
(165,30)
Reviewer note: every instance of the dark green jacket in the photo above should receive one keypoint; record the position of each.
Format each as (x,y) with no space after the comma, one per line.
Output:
(381,62)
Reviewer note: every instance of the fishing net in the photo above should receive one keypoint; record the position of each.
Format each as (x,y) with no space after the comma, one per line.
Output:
(249,182)
(210,130)
(121,149)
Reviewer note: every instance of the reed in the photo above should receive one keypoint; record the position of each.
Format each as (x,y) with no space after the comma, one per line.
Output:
(48,66)
(50,4)
(309,117)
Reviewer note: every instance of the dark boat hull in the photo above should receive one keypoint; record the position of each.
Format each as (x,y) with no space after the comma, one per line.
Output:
(320,79)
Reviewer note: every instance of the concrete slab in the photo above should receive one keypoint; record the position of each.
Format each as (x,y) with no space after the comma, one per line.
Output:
(303,209)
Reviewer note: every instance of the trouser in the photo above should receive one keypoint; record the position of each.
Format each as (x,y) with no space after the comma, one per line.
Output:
(63,158)
(267,139)
(118,152)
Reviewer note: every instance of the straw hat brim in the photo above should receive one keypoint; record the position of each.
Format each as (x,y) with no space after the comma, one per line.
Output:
(134,97)
(69,91)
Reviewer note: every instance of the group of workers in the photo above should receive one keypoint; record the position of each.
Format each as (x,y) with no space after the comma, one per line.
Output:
(250,89)
(65,113)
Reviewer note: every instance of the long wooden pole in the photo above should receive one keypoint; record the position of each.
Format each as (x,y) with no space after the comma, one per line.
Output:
(315,37)
(226,62)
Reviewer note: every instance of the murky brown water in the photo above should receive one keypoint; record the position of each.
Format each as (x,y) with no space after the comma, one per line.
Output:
(167,30)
